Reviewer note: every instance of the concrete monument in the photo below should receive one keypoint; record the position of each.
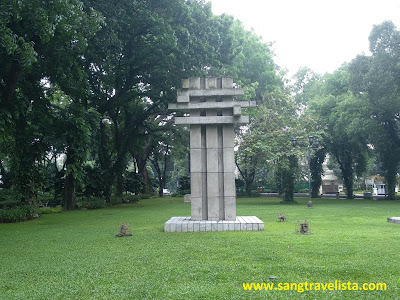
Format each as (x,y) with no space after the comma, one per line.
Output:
(211,113)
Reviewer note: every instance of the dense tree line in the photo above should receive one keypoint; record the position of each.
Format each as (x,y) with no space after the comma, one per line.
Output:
(353,113)
(359,108)
(84,89)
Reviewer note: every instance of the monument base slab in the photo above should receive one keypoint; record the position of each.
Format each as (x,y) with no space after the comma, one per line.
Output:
(185,224)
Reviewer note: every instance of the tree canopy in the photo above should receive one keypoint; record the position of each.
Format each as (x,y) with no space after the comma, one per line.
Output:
(85,86)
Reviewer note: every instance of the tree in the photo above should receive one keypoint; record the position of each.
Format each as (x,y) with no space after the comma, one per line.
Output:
(135,64)
(267,141)
(316,170)
(31,44)
(160,160)
(254,70)
(303,87)
(376,80)
(339,112)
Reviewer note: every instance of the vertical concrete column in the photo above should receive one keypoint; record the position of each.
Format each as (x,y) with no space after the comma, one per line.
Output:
(221,166)
(194,83)
(227,82)
(198,167)
(213,183)
(196,174)
(229,173)
(211,83)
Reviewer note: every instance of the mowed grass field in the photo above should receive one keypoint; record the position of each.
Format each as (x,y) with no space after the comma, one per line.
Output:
(75,255)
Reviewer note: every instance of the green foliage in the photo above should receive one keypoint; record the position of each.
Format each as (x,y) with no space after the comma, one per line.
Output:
(340,114)
(375,81)
(184,185)
(90,80)
(9,198)
(50,210)
(303,86)
(17,214)
(45,197)
(114,200)
(316,171)
(266,143)
(41,43)
(135,198)
(90,203)
(288,167)
(133,182)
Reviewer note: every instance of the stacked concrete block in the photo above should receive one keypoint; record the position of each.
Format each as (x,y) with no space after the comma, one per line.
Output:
(211,111)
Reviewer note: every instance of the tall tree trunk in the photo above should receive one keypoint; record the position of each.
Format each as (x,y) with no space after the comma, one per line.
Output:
(146,181)
(316,171)
(58,182)
(288,175)
(26,171)
(390,180)
(390,158)
(248,184)
(161,184)
(348,181)
(69,184)
(344,158)
(248,177)
(69,192)
(120,185)
(141,159)
(11,83)
(118,171)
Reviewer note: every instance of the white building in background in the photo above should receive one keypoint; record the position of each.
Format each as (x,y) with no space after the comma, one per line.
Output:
(377,185)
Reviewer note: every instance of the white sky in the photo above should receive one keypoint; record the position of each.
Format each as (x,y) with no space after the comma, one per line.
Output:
(319,34)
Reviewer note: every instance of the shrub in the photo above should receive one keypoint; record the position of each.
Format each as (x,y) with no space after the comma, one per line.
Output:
(116,200)
(10,203)
(9,199)
(50,210)
(255,194)
(132,198)
(17,214)
(241,194)
(91,203)
(183,185)
(46,198)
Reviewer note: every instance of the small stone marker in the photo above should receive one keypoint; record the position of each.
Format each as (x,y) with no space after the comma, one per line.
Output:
(273,277)
(211,113)
(303,228)
(281,217)
(186,198)
(124,231)
(395,220)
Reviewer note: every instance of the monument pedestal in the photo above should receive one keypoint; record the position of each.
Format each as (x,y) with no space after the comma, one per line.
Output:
(186,224)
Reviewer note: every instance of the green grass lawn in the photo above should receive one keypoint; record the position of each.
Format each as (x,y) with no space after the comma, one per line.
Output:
(75,255)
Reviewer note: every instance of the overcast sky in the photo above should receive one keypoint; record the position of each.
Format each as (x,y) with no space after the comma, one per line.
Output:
(319,34)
